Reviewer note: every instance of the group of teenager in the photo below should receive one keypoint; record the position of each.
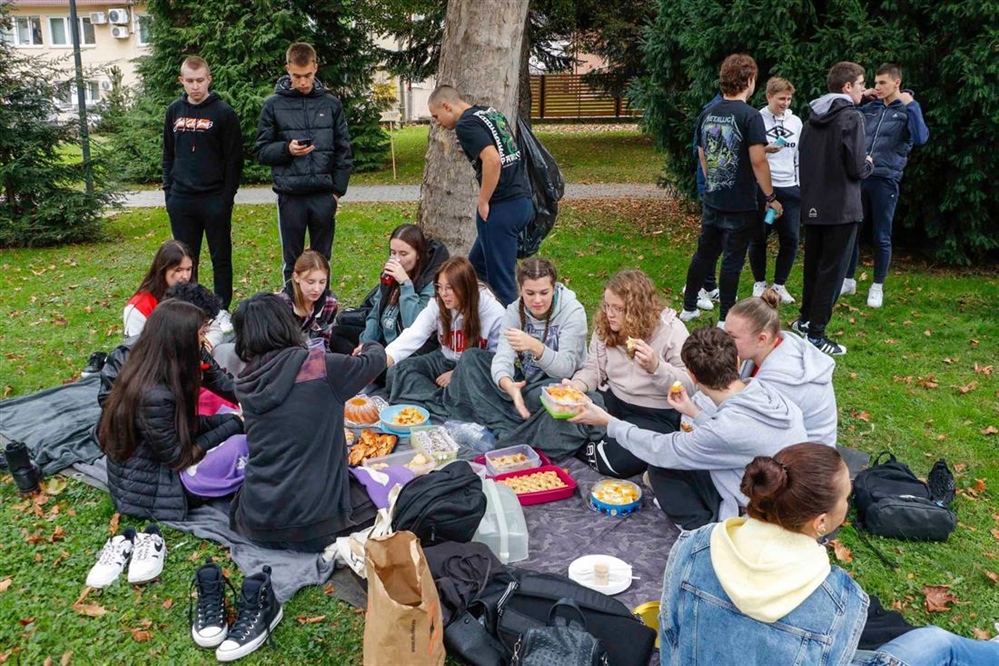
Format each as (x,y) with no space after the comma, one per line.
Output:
(734,429)
(764,171)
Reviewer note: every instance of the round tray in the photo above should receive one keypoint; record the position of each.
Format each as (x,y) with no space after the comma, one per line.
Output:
(613,509)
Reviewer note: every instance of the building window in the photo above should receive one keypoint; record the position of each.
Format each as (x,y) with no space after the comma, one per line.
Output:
(59,30)
(66,94)
(142,27)
(25,31)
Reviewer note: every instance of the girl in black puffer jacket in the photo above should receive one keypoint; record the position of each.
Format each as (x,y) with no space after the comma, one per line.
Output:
(150,430)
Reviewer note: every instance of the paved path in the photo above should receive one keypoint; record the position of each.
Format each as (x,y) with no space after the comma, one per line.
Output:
(371,193)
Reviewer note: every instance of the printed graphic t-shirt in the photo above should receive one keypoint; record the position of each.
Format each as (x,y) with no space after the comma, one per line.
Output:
(481,126)
(726,131)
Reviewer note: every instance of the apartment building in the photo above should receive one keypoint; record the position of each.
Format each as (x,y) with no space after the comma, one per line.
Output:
(112,33)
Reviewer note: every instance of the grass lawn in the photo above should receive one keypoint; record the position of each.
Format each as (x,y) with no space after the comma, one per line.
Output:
(918,380)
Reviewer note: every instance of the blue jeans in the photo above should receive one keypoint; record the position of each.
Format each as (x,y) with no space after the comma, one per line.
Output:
(930,646)
(494,253)
(726,234)
(880,196)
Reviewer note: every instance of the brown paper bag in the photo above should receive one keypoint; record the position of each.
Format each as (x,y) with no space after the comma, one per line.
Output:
(404,623)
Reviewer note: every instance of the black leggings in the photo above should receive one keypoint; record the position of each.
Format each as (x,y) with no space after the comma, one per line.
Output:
(610,458)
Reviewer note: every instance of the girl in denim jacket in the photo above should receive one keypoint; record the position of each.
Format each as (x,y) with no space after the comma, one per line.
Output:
(767,580)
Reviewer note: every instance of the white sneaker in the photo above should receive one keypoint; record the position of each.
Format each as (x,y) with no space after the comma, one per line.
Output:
(782,292)
(687,315)
(147,559)
(876,296)
(112,559)
(704,301)
(714,295)
(759,288)
(225,321)
(849,287)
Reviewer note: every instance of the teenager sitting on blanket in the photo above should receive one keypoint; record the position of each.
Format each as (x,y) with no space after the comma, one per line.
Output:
(464,314)
(172,264)
(406,287)
(149,429)
(213,377)
(307,294)
(788,363)
(766,579)
(635,353)
(695,475)
(297,493)
(542,340)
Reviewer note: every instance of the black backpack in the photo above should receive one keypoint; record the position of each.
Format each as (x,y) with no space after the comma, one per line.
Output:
(565,642)
(892,502)
(547,189)
(445,505)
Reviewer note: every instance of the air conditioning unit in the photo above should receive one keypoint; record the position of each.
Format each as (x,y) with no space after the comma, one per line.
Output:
(118,16)
(119,31)
(106,85)
(98,18)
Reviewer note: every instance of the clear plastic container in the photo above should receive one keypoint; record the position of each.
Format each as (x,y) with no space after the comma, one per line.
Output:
(435,442)
(561,407)
(472,436)
(417,462)
(503,528)
(512,459)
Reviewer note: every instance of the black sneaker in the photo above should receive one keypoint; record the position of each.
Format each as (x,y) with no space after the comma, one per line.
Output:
(800,327)
(827,346)
(258,613)
(94,365)
(209,626)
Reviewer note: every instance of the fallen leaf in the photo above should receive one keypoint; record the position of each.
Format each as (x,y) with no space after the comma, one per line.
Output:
(980,485)
(47,662)
(38,558)
(57,534)
(974,343)
(90,610)
(5,583)
(113,523)
(141,635)
(302,619)
(843,554)
(967,388)
(83,595)
(25,621)
(54,485)
(960,467)
(991,430)
(983,370)
(328,590)
(981,634)
(938,598)
(67,657)
(167,604)
(929,383)
(863,416)
(63,556)
(993,576)
(896,605)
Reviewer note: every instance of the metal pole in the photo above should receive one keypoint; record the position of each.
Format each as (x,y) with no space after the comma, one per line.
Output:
(81,96)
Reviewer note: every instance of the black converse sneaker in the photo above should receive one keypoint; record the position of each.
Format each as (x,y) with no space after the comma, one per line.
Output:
(259,612)
(209,626)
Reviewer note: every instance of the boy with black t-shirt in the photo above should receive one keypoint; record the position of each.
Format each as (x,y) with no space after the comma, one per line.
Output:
(731,145)
(505,206)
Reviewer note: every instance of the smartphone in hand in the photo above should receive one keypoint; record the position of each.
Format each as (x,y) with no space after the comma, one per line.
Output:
(304,143)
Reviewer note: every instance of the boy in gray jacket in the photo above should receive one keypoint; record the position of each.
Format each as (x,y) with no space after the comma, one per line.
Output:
(696,475)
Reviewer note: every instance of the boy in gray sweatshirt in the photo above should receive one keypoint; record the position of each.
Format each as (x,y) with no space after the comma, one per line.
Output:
(696,475)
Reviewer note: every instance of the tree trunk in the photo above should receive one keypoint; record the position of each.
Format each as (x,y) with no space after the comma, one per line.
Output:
(524,94)
(481,57)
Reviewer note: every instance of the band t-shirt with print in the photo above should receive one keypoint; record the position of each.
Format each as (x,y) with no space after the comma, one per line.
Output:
(479,127)
(726,131)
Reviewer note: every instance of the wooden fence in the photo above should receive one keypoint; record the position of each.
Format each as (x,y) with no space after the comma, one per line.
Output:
(566,96)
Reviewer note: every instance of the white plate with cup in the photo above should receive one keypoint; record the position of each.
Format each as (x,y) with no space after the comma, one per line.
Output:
(602,573)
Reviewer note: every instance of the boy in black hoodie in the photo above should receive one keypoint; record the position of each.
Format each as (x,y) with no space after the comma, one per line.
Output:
(832,162)
(202,165)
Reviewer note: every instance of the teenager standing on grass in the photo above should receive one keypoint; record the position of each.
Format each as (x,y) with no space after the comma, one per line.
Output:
(734,161)
(504,206)
(202,165)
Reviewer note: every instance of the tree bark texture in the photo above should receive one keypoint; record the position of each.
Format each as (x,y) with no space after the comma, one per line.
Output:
(481,58)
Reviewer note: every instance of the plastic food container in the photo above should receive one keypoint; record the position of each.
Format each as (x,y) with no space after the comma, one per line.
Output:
(615,497)
(542,496)
(417,462)
(503,528)
(511,459)
(435,442)
(561,408)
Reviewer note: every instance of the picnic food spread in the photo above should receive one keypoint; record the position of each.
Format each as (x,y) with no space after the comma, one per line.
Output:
(416,465)
(362,410)
(534,483)
(371,444)
(408,416)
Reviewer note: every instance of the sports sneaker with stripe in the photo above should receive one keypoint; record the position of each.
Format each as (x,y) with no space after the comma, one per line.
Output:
(800,327)
(259,612)
(827,346)
(112,559)
(209,624)
(147,559)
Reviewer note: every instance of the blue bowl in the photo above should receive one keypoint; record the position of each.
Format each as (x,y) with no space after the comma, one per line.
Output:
(389,413)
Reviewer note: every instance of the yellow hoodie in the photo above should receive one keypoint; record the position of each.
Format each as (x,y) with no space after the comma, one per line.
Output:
(766,570)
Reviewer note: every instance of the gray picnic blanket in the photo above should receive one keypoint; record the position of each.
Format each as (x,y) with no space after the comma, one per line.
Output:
(290,571)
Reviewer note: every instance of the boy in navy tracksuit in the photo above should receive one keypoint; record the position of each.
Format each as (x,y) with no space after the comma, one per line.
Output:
(893,124)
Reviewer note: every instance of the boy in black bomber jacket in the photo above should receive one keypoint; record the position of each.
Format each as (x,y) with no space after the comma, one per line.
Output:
(202,165)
